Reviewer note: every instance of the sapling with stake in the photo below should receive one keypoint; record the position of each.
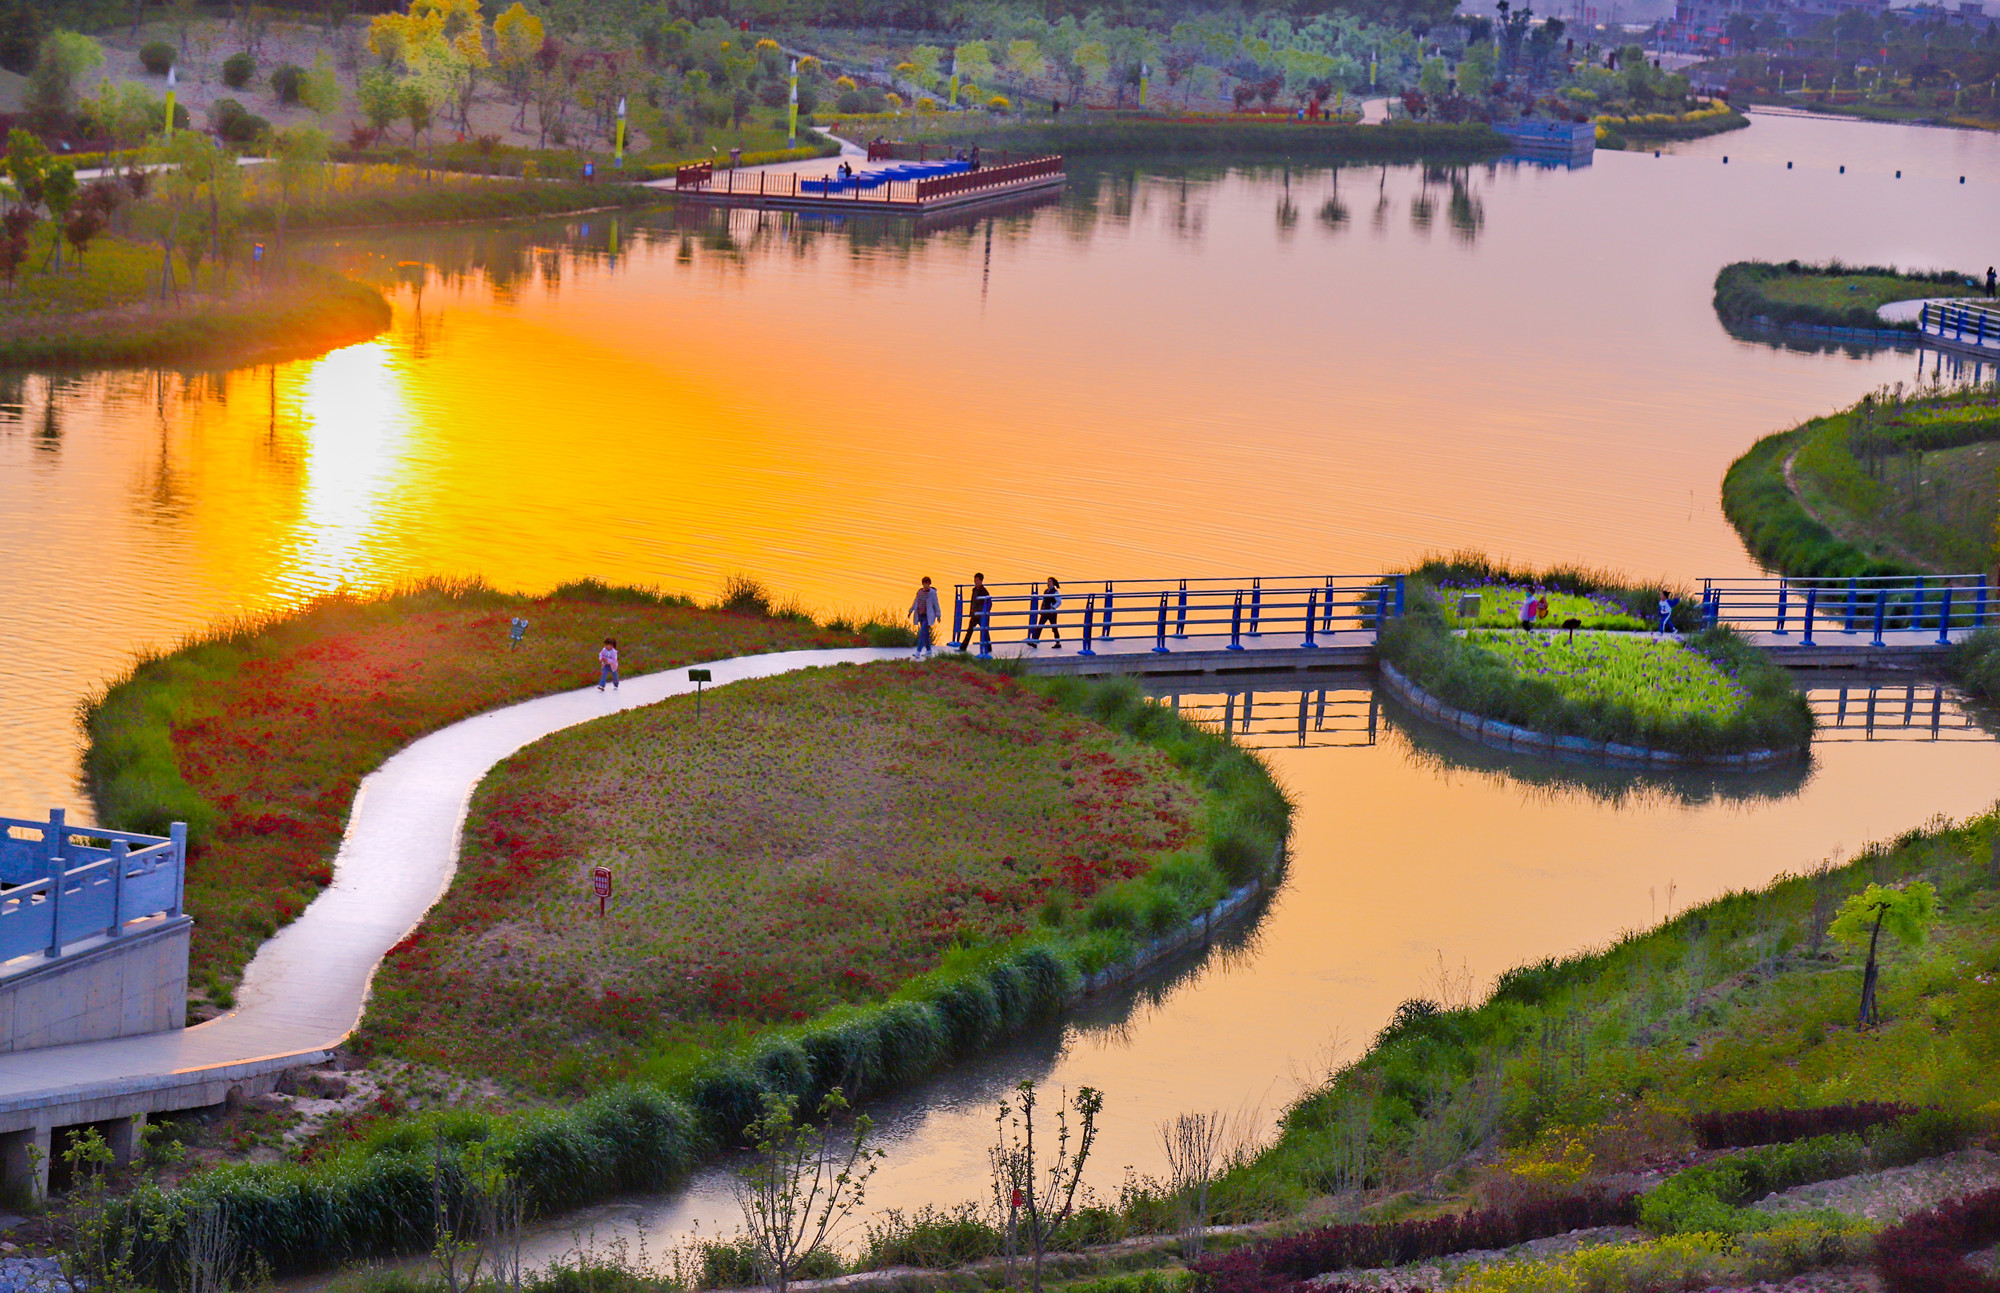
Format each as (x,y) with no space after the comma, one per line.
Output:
(804,1180)
(1041,1198)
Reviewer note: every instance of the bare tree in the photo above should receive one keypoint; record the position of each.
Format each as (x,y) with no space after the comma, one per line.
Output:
(1041,1196)
(1193,1143)
(803,1182)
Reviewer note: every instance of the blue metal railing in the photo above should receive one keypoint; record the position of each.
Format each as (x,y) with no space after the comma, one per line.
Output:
(59,885)
(1965,323)
(1291,611)
(1807,610)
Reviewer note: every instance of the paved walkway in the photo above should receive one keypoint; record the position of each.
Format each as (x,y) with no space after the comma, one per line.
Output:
(303,993)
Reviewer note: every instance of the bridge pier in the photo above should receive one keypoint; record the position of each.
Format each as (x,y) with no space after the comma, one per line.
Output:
(24,1162)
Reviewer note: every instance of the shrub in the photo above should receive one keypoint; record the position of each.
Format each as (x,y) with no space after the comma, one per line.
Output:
(1924,1254)
(286,82)
(157,57)
(1744,1127)
(237,124)
(931,1238)
(1707,1199)
(238,69)
(1975,663)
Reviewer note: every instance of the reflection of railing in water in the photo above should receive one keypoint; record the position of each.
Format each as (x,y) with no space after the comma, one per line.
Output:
(1320,716)
(1901,711)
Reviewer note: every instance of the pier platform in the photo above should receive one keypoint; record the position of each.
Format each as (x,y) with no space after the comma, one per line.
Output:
(881,186)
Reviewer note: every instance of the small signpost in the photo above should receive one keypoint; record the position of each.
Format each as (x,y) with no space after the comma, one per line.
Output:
(515,632)
(698,677)
(600,884)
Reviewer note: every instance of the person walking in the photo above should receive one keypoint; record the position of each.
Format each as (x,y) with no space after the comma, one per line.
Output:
(1045,613)
(607,664)
(979,605)
(1666,615)
(1533,607)
(1992,281)
(925,611)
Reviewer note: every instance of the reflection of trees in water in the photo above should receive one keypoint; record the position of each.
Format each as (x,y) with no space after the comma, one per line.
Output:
(1466,212)
(1443,751)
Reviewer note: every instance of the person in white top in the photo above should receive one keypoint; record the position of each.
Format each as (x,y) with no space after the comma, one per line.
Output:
(607,664)
(924,609)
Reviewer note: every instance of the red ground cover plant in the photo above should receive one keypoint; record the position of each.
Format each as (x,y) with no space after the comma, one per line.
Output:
(276,730)
(815,839)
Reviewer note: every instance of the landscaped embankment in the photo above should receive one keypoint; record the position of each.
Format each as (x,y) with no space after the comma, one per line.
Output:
(1899,484)
(1713,117)
(1590,1068)
(449,200)
(1608,689)
(1830,295)
(1389,142)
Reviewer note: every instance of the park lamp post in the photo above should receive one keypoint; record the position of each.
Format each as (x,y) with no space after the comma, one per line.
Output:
(171,81)
(792,123)
(618,146)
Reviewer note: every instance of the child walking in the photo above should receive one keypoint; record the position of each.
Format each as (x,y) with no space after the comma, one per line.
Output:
(607,664)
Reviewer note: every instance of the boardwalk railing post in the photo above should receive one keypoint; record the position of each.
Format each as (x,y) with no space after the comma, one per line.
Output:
(957,614)
(1107,611)
(1979,606)
(1881,610)
(1812,598)
(1180,623)
(1783,592)
(1160,640)
(1401,586)
(1236,625)
(1711,606)
(53,843)
(1381,610)
(1326,608)
(1256,604)
(1312,617)
(1089,614)
(120,850)
(1944,618)
(1850,607)
(178,833)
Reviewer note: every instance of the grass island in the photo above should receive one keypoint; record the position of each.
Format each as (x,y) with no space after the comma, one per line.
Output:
(1832,295)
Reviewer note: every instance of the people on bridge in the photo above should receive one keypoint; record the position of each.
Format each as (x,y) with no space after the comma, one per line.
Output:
(607,664)
(972,162)
(979,605)
(925,611)
(1046,607)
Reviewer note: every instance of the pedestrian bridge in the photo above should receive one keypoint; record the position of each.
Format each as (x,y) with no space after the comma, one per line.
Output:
(1265,623)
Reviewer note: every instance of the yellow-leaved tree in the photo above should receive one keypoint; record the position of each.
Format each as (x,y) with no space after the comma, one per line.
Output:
(517,37)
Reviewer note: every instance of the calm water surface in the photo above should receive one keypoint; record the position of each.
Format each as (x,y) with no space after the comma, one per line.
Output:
(1172,371)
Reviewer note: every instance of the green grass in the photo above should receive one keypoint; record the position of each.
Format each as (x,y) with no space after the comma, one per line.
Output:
(1500,607)
(1893,486)
(1661,681)
(1486,673)
(1832,295)
(113,273)
(447,198)
(814,840)
(1740,1003)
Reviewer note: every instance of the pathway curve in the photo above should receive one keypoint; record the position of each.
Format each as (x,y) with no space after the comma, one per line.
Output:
(303,993)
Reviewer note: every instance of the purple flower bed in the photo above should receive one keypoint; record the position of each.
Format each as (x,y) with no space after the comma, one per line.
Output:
(1279,1265)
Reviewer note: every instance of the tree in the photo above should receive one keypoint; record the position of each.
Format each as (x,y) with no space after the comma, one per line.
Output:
(380,97)
(299,158)
(27,166)
(803,1181)
(1193,1143)
(319,90)
(93,212)
(1906,912)
(1041,1196)
(63,60)
(59,195)
(517,34)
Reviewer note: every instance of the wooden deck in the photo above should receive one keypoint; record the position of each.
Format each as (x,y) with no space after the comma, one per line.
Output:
(796,191)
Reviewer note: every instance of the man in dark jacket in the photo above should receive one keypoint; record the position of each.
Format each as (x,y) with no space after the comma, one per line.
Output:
(978,606)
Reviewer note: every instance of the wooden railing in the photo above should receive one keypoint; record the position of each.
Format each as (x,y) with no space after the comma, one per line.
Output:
(988,177)
(694,176)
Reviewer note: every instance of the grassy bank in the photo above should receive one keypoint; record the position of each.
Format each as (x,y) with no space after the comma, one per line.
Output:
(1832,295)
(1583,1070)
(339,685)
(814,840)
(1393,141)
(108,311)
(1897,485)
(442,200)
(370,1190)
(1710,694)
(1646,129)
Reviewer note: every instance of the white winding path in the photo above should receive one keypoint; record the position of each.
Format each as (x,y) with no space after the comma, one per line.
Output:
(303,993)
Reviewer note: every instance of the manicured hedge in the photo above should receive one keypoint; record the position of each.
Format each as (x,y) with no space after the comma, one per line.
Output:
(1926,1253)
(1281,1263)
(1744,1127)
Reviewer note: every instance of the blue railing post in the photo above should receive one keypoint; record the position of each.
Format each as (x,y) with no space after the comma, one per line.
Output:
(1784,592)
(1160,644)
(1979,606)
(1089,614)
(1312,615)
(1256,604)
(1105,631)
(1400,588)
(1881,610)
(120,851)
(1812,599)
(1850,607)
(957,614)
(1381,609)
(1236,625)
(1944,617)
(178,833)
(1180,622)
